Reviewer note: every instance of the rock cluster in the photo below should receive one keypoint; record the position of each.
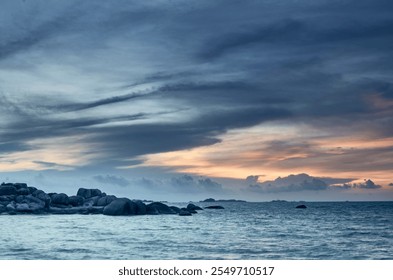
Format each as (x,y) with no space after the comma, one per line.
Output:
(18,198)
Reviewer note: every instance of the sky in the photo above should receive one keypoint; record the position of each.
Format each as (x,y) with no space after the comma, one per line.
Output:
(184,100)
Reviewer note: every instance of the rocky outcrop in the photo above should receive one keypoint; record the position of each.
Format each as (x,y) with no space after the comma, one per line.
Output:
(18,198)
(301,206)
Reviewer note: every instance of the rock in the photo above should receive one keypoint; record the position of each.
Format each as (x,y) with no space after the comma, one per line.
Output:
(95,192)
(176,209)
(209,200)
(214,207)
(301,206)
(41,195)
(7,197)
(60,198)
(11,207)
(88,193)
(31,189)
(193,207)
(184,213)
(76,200)
(192,211)
(2,208)
(68,211)
(159,208)
(85,193)
(7,190)
(20,186)
(22,207)
(90,202)
(121,207)
(96,210)
(105,200)
(23,191)
(141,207)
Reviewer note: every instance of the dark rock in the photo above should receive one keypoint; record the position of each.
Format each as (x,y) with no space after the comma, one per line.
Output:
(176,209)
(68,210)
(19,198)
(105,200)
(41,195)
(11,207)
(184,213)
(23,191)
(31,189)
(192,211)
(85,193)
(159,208)
(301,206)
(7,190)
(7,197)
(88,193)
(96,210)
(20,186)
(193,207)
(209,200)
(95,192)
(121,207)
(141,207)
(92,201)
(214,207)
(60,198)
(76,200)
(2,208)
(22,207)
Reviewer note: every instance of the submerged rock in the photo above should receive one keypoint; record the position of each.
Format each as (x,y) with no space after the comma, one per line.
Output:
(214,207)
(301,206)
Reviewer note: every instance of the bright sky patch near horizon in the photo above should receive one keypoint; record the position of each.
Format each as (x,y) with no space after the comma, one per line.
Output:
(181,100)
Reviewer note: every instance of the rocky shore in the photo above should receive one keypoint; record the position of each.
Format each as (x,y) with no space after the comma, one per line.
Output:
(18,198)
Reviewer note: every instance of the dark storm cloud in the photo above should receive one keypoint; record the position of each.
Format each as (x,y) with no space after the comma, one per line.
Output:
(228,64)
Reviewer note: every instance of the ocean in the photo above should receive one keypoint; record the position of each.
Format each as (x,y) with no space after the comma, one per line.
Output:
(247,231)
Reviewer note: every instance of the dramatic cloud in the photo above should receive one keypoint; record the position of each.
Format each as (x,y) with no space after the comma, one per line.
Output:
(292,183)
(368,184)
(211,88)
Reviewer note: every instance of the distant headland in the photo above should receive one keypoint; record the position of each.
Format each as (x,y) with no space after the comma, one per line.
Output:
(19,198)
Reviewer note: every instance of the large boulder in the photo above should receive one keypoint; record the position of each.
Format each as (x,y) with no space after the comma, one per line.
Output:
(156,208)
(105,200)
(175,208)
(2,208)
(60,198)
(88,193)
(141,207)
(121,207)
(41,195)
(193,207)
(90,202)
(7,190)
(75,200)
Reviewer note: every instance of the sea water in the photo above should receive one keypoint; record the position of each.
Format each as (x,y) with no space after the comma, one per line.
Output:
(268,230)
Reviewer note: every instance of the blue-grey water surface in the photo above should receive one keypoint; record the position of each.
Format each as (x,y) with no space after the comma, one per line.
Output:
(269,230)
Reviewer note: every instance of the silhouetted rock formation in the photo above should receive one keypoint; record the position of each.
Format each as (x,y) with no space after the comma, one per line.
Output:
(214,207)
(19,198)
(302,206)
